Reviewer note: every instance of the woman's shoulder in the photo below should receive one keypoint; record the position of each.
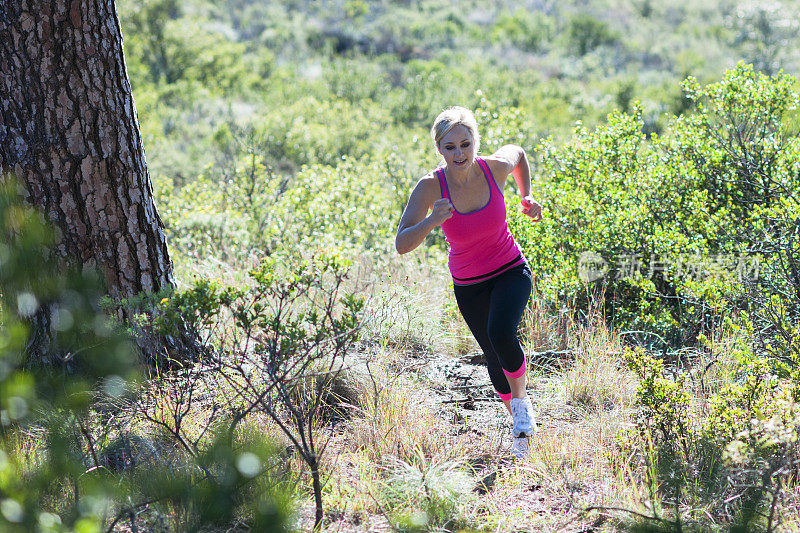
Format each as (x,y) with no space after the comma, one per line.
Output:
(504,159)
(429,180)
(428,185)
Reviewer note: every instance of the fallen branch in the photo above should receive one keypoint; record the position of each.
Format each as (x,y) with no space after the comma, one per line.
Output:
(469,399)
(624,510)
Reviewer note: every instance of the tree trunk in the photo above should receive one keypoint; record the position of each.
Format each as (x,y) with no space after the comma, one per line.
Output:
(69,133)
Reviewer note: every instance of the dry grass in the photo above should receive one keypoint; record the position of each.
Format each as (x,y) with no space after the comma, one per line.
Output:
(572,466)
(352,482)
(394,424)
(410,307)
(24,447)
(234,272)
(544,330)
(570,469)
(396,421)
(574,462)
(790,508)
(598,378)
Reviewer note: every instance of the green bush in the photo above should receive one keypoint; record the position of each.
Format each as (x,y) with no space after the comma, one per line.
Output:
(278,344)
(727,467)
(163,49)
(255,211)
(310,131)
(606,196)
(585,33)
(675,224)
(54,472)
(524,29)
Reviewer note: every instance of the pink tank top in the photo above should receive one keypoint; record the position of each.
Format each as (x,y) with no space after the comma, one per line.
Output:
(481,246)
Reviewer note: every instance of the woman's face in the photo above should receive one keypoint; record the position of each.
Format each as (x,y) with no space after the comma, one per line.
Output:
(457,147)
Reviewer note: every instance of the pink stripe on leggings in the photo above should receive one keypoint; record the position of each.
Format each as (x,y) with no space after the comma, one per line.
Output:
(519,372)
(505,397)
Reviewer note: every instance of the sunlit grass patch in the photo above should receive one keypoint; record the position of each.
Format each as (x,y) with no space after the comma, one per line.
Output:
(396,421)
(428,493)
(353,483)
(598,379)
(570,469)
(544,330)
(789,507)
(25,447)
(411,307)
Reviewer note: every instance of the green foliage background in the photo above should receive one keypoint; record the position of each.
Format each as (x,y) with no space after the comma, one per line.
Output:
(663,135)
(272,124)
(656,130)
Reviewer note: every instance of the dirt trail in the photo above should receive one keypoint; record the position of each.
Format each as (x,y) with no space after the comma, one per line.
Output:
(462,387)
(462,392)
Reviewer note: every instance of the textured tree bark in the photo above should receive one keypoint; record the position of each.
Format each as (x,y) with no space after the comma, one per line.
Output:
(70,134)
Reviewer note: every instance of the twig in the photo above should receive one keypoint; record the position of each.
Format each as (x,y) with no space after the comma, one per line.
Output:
(89,441)
(624,510)
(465,400)
(128,511)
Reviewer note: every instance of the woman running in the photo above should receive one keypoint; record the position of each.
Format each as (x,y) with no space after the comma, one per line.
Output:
(491,279)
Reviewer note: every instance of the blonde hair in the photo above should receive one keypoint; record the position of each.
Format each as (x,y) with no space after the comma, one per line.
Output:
(452,117)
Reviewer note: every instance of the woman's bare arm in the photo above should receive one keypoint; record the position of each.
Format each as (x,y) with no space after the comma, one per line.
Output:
(416,223)
(512,159)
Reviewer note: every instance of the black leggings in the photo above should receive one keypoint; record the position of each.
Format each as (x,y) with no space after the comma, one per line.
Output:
(492,310)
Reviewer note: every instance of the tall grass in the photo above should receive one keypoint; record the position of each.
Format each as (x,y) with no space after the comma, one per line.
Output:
(397,421)
(598,379)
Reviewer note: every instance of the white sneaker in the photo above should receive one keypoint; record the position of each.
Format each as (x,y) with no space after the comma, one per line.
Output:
(523,416)
(521,447)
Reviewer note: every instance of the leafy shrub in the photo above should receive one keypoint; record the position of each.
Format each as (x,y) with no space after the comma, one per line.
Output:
(760,32)
(524,29)
(501,125)
(345,204)
(322,132)
(55,475)
(355,80)
(164,50)
(256,211)
(672,223)
(428,87)
(605,194)
(743,149)
(733,462)
(585,33)
(428,494)
(277,346)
